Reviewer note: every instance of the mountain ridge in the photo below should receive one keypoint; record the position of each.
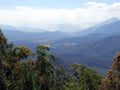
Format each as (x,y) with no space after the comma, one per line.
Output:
(15,35)
(96,28)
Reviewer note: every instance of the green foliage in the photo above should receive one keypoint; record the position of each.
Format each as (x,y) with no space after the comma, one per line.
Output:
(44,69)
(3,46)
(19,72)
(21,52)
(85,78)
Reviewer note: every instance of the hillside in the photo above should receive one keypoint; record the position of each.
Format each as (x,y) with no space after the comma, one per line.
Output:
(109,26)
(14,35)
(98,53)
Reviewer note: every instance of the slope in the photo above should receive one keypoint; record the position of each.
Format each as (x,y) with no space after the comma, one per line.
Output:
(108,26)
(98,53)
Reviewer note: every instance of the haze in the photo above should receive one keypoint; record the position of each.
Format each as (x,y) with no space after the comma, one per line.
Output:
(49,13)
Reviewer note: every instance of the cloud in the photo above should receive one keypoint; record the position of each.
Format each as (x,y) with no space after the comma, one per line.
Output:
(23,8)
(87,15)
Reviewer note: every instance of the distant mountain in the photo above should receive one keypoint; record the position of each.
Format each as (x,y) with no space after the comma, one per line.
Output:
(24,29)
(108,26)
(67,28)
(95,48)
(19,35)
(84,39)
(111,20)
(7,27)
(15,34)
(28,29)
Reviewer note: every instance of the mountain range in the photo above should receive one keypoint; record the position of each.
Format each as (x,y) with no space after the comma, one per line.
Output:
(17,34)
(94,46)
(108,26)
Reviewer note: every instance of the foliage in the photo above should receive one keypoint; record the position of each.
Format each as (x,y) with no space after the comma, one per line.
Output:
(112,81)
(85,78)
(20,71)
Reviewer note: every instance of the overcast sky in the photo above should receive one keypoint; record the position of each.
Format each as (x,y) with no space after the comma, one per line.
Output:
(43,13)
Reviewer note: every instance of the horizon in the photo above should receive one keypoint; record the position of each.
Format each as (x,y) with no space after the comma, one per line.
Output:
(47,14)
(3,27)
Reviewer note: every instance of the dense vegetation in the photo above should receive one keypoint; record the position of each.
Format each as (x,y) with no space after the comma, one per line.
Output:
(21,69)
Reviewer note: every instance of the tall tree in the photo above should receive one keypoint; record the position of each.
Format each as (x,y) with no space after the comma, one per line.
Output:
(3,47)
(112,81)
(44,68)
(86,78)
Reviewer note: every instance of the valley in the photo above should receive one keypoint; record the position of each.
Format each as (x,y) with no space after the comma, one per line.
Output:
(95,49)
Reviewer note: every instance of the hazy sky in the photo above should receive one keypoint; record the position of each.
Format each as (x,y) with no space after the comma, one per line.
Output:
(43,13)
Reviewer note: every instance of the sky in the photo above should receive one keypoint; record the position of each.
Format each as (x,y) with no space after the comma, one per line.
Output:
(45,13)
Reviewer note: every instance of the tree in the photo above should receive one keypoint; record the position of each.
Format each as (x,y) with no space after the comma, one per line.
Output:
(3,47)
(86,78)
(18,71)
(44,68)
(12,60)
(112,81)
